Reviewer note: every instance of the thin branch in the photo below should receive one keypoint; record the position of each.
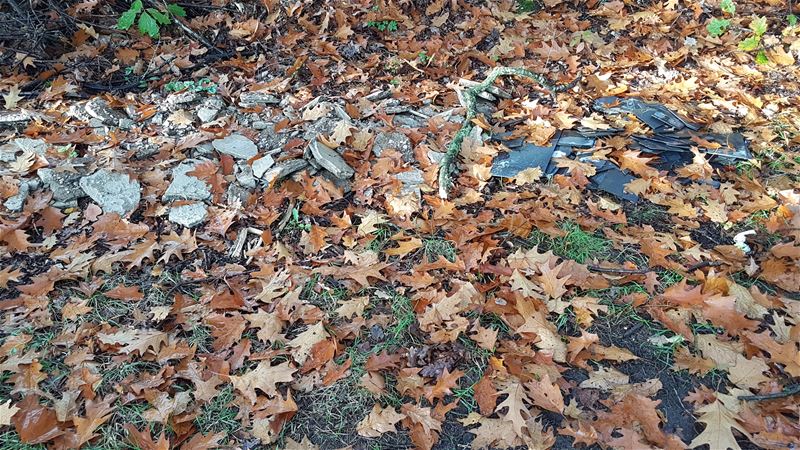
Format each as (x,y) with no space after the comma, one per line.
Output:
(792,389)
(594,268)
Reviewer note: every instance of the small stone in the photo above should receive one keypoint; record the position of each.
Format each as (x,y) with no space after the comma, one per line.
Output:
(252,99)
(330,160)
(394,140)
(114,192)
(244,175)
(16,202)
(181,98)
(189,216)
(436,157)
(14,119)
(260,125)
(186,187)
(209,110)
(283,169)
(261,165)
(236,145)
(412,180)
(237,194)
(100,110)
(64,185)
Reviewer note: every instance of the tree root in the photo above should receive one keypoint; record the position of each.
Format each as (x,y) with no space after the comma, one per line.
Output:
(447,167)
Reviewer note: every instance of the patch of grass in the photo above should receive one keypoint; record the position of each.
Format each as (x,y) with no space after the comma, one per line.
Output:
(381,239)
(112,435)
(331,412)
(576,244)
(527,6)
(219,415)
(647,213)
(109,310)
(40,340)
(115,374)
(200,335)
(319,293)
(669,277)
(434,247)
(403,311)
(10,440)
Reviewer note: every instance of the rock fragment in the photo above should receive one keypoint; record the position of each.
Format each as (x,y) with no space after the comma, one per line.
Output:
(64,186)
(253,99)
(210,109)
(261,165)
(113,191)
(283,169)
(236,145)
(17,201)
(394,140)
(189,216)
(186,187)
(330,160)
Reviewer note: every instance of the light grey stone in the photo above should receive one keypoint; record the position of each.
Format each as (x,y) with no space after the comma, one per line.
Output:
(330,160)
(12,119)
(64,185)
(181,98)
(189,216)
(283,169)
(435,157)
(261,165)
(115,192)
(16,202)
(100,110)
(236,145)
(395,140)
(244,175)
(186,187)
(9,151)
(237,194)
(260,125)
(209,110)
(412,180)
(252,99)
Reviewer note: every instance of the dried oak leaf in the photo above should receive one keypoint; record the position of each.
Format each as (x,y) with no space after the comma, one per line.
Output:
(35,423)
(264,378)
(379,421)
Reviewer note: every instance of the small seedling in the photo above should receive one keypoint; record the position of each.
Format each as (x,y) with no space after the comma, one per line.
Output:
(295,223)
(202,85)
(383,25)
(150,19)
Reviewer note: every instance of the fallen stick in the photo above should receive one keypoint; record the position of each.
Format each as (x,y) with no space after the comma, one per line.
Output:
(792,389)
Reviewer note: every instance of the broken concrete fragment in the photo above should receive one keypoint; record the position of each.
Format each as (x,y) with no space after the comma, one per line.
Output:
(188,215)
(14,119)
(253,99)
(64,185)
(412,180)
(114,192)
(9,151)
(209,110)
(180,99)
(244,175)
(283,169)
(236,145)
(100,110)
(395,140)
(261,165)
(16,202)
(330,160)
(186,187)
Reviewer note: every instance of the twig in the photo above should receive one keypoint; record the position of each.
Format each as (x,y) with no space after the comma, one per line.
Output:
(792,389)
(469,96)
(184,283)
(594,268)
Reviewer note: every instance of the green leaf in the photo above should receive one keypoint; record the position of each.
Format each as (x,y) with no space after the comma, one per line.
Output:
(136,6)
(759,26)
(792,20)
(717,27)
(749,44)
(148,25)
(761,58)
(728,6)
(126,19)
(176,10)
(160,17)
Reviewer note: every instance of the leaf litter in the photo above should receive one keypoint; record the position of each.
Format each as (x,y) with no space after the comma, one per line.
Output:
(266,262)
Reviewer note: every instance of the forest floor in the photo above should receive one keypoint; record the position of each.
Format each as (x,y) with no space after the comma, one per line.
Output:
(231,234)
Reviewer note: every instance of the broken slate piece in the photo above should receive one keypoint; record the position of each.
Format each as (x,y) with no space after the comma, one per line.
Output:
(329,159)
(14,119)
(100,110)
(283,169)
(236,145)
(9,151)
(186,187)
(114,192)
(412,180)
(189,216)
(658,117)
(209,110)
(261,165)
(252,99)
(525,157)
(611,179)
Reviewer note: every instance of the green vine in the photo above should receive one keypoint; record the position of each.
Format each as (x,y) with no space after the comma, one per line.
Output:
(469,96)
